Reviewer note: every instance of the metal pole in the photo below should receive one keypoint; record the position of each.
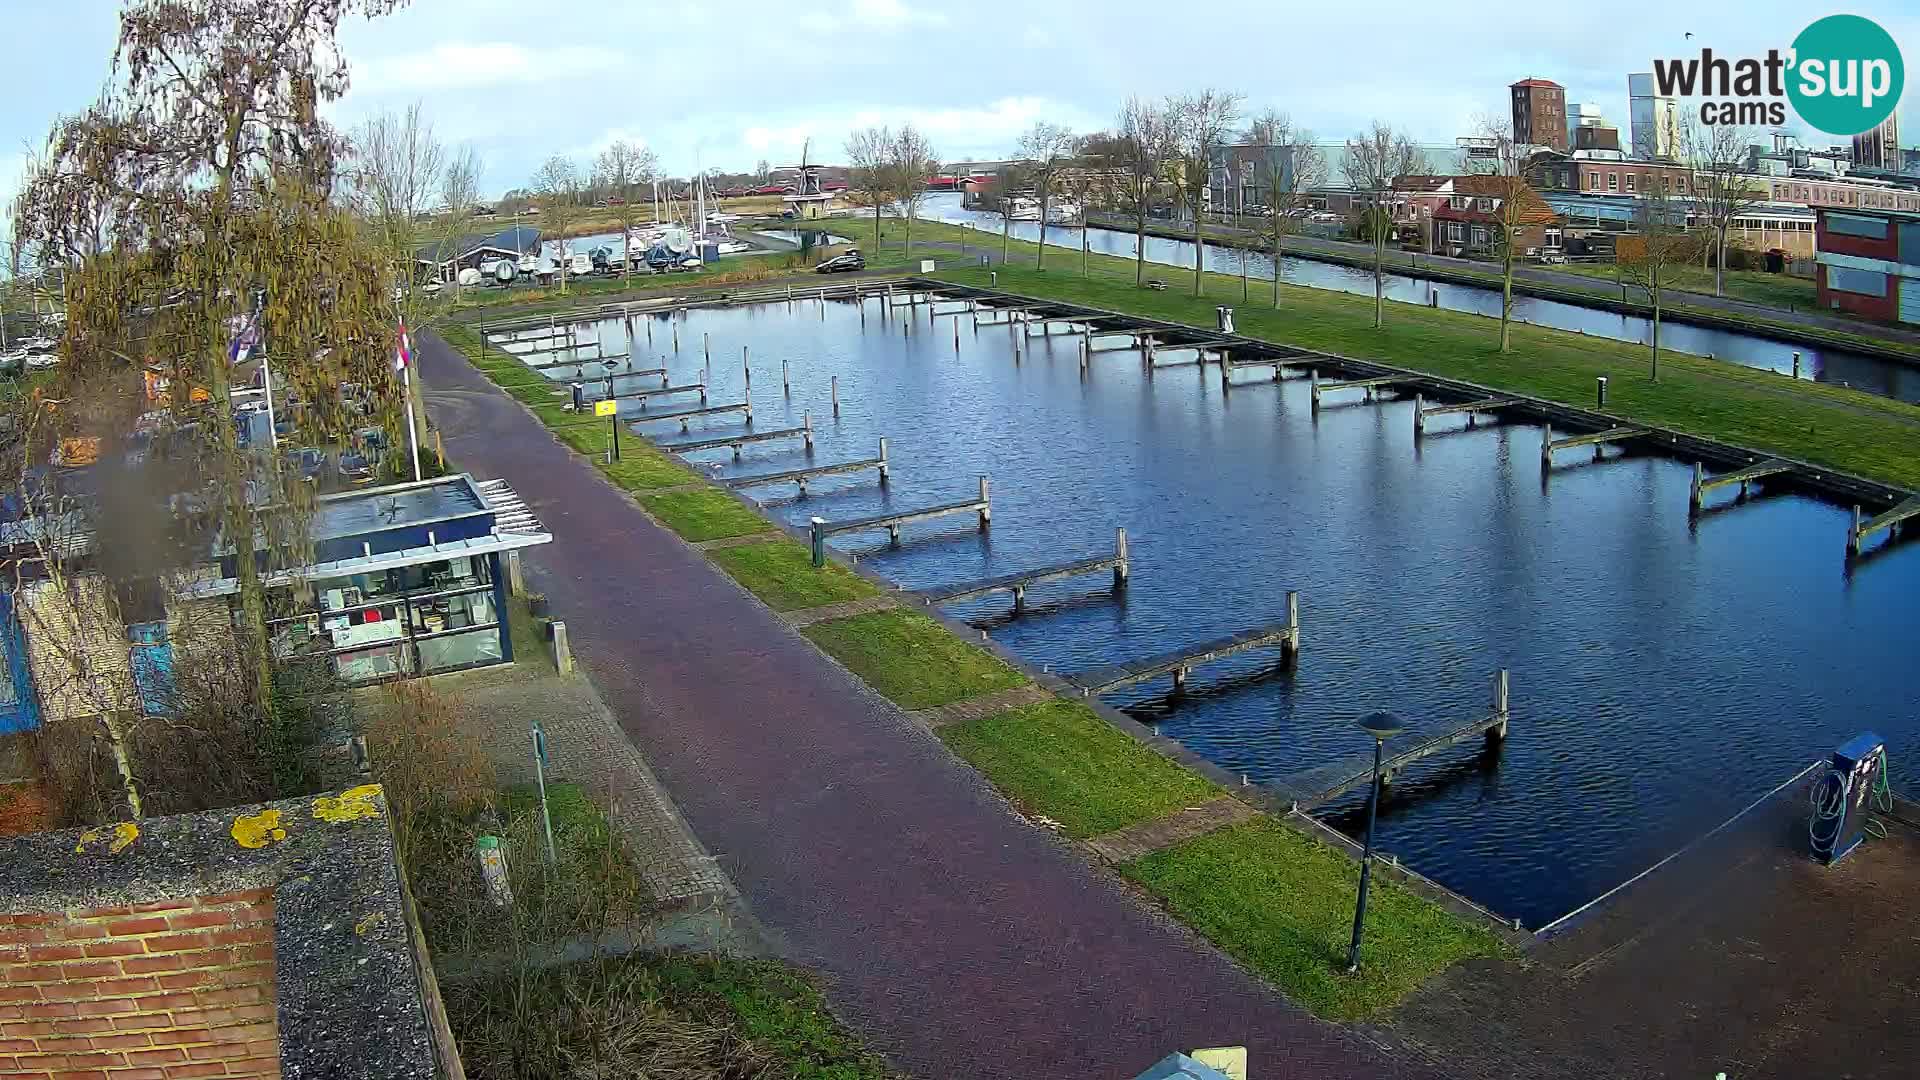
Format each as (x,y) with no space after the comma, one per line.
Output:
(1366,863)
(413,438)
(540,777)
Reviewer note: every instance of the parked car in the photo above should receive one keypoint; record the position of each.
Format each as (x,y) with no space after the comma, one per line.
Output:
(843,262)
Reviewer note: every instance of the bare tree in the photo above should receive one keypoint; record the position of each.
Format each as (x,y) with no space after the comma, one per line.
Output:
(1722,189)
(557,184)
(1291,165)
(1659,245)
(1144,148)
(869,157)
(396,172)
(1202,124)
(1044,148)
(910,165)
(1374,160)
(761,171)
(1516,207)
(460,192)
(622,169)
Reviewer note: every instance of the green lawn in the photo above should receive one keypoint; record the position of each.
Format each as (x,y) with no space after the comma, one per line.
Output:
(781,573)
(1775,290)
(709,514)
(1832,426)
(1059,759)
(912,659)
(1282,903)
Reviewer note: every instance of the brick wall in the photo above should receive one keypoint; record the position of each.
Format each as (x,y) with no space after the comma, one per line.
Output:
(162,991)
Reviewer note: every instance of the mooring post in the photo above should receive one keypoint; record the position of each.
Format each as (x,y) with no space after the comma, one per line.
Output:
(1120,553)
(956,336)
(676,336)
(749,404)
(1180,680)
(1313,384)
(1796,363)
(1290,645)
(1546,447)
(893,535)
(986,505)
(836,395)
(649,331)
(703,395)
(1853,534)
(1419,415)
(1498,732)
(1694,497)
(789,298)
(883,461)
(1019,599)
(786,386)
(706,349)
(817,531)
(806,422)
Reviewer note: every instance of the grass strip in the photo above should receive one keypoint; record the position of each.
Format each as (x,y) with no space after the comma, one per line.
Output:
(704,515)
(912,659)
(781,573)
(1060,760)
(1282,903)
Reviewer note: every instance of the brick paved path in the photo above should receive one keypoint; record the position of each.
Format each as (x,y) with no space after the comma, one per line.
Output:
(963,942)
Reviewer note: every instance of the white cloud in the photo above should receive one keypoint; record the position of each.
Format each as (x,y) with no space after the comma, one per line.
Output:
(870,15)
(469,66)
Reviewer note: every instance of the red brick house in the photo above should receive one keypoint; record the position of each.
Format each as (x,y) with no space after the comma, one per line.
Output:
(1464,213)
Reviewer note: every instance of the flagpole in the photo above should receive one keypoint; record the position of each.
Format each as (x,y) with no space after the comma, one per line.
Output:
(413,439)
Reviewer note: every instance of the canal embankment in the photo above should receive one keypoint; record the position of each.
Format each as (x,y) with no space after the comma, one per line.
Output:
(1273,890)
(1678,306)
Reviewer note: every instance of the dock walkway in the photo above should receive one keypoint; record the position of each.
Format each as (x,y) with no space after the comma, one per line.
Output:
(804,432)
(799,477)
(1110,677)
(820,528)
(1313,787)
(1020,580)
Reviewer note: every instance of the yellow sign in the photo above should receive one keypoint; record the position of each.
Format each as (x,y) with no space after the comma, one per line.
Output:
(1229,1060)
(605,408)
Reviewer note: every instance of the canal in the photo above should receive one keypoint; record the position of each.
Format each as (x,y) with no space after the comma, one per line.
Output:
(1873,375)
(1664,674)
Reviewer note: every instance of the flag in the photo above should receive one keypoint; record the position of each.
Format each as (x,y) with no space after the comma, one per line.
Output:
(403,353)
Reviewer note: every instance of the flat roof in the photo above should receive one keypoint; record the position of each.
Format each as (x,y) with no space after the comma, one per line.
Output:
(356,513)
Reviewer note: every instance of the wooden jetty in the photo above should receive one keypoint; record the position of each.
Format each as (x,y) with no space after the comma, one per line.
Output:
(683,415)
(803,432)
(572,346)
(1279,362)
(800,477)
(1309,788)
(1046,323)
(1018,582)
(1110,677)
(1134,342)
(1014,313)
(641,396)
(1893,519)
(1703,483)
(633,373)
(1597,439)
(1369,385)
(1422,412)
(821,528)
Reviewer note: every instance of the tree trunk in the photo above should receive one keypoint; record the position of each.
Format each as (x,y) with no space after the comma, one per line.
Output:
(1276,259)
(1006,228)
(876,223)
(1140,244)
(1243,274)
(1199,245)
(1086,242)
(908,208)
(1040,255)
(1379,279)
(117,745)
(1720,261)
(1653,295)
(1506,295)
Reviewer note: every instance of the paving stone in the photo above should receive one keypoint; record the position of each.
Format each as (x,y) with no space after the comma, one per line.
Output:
(1178,826)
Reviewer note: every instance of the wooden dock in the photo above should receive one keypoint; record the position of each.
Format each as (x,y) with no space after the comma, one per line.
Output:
(1314,787)
(1422,412)
(1019,581)
(1285,636)
(1891,520)
(1279,362)
(683,415)
(1135,342)
(1369,385)
(821,528)
(1597,439)
(641,396)
(800,477)
(804,431)
(545,350)
(1759,470)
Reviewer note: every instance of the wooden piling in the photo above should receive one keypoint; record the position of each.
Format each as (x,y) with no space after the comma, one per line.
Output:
(676,337)
(1498,733)
(1120,569)
(1419,415)
(706,349)
(1546,448)
(806,421)
(1694,497)
(816,530)
(1853,534)
(986,505)
(1313,386)
(1290,645)
(883,461)
(836,395)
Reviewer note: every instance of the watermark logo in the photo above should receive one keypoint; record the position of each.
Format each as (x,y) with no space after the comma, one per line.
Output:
(1843,75)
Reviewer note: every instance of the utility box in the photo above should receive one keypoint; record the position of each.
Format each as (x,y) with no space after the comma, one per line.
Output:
(1842,798)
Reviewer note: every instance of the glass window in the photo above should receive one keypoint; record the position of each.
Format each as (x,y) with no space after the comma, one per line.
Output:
(1629,181)
(1863,282)
(1613,181)
(1870,228)
(459,650)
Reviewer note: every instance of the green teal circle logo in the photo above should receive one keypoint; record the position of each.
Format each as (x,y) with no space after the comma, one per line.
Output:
(1846,75)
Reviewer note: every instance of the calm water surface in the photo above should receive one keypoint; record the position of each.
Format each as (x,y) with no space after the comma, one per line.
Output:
(1664,675)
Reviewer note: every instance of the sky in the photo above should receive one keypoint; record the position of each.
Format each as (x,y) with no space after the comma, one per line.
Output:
(727,83)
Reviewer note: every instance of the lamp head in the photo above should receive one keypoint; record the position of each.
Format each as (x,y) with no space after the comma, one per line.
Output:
(1382,725)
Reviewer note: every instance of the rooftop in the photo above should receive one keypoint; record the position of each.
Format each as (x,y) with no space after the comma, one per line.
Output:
(519,239)
(356,513)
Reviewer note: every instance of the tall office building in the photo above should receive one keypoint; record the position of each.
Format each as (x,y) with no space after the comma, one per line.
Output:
(1540,113)
(1879,148)
(1653,121)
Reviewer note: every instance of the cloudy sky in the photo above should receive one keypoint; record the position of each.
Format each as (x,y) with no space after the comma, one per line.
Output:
(727,82)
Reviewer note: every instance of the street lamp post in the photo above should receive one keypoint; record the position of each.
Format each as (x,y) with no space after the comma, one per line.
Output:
(1382,726)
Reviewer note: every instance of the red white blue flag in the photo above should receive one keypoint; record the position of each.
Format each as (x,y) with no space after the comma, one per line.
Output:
(403,353)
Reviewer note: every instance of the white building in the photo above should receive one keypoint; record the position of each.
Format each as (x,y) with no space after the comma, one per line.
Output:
(1653,121)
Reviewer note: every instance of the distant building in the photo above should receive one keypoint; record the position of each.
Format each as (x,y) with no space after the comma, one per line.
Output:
(1581,114)
(1653,121)
(1870,264)
(1879,148)
(1540,113)
(818,195)
(1460,215)
(443,262)
(1596,137)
